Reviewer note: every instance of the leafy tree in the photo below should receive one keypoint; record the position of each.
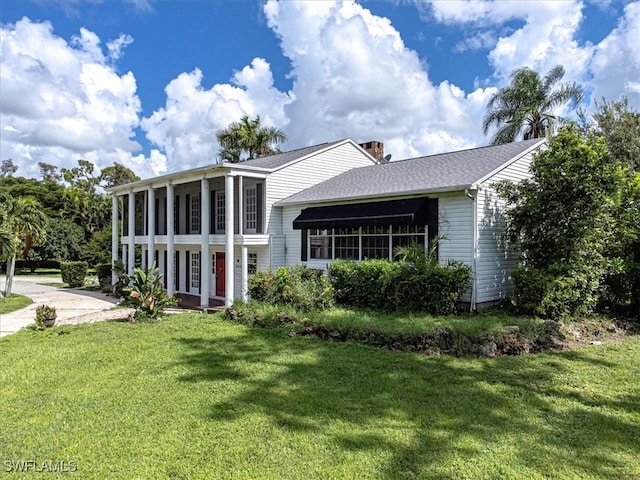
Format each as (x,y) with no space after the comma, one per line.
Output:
(526,107)
(98,249)
(248,137)
(565,220)
(65,241)
(82,176)
(117,175)
(620,128)
(48,193)
(91,211)
(25,222)
(49,172)
(8,168)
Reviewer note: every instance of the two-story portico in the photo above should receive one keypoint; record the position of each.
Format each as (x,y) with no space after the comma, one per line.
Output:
(208,228)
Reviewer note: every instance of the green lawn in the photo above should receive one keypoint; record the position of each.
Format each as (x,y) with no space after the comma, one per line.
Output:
(13,303)
(196,397)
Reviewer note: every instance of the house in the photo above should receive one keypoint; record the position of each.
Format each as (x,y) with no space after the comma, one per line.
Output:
(216,225)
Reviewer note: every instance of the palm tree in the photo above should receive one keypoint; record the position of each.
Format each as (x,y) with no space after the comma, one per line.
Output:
(22,222)
(248,136)
(526,106)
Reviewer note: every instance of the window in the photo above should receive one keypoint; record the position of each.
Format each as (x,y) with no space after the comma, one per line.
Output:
(375,242)
(405,236)
(321,243)
(195,213)
(195,270)
(220,212)
(347,241)
(250,210)
(361,243)
(252,263)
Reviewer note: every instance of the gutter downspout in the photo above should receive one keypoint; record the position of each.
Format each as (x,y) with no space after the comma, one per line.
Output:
(473,195)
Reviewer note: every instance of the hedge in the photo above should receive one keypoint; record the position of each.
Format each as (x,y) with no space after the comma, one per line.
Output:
(399,286)
(73,273)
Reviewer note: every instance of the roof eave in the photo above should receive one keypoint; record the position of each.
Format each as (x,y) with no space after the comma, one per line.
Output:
(407,193)
(509,162)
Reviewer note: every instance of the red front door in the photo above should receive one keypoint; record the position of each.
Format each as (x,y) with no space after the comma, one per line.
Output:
(220,269)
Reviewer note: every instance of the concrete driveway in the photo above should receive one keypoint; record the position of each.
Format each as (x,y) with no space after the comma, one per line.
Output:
(69,303)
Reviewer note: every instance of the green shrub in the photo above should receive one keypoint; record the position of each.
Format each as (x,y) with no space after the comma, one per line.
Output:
(406,285)
(73,273)
(104,272)
(556,292)
(300,287)
(360,284)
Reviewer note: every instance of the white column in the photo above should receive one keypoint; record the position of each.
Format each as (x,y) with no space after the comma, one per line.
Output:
(228,254)
(205,262)
(151,225)
(132,233)
(245,273)
(115,238)
(240,206)
(169,277)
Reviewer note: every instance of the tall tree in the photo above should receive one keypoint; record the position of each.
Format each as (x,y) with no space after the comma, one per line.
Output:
(7,168)
(570,220)
(49,172)
(117,175)
(82,176)
(620,127)
(526,107)
(248,137)
(25,223)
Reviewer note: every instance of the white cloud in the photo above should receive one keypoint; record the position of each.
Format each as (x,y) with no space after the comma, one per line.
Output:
(185,128)
(616,61)
(354,77)
(63,101)
(548,37)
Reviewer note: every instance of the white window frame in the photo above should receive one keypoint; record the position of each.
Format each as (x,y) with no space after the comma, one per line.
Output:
(221,210)
(195,213)
(194,281)
(409,233)
(250,209)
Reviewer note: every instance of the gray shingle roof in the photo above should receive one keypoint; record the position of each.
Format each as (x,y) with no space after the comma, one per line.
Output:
(281,159)
(442,172)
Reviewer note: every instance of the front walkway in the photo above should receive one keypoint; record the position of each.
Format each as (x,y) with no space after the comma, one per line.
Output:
(70,304)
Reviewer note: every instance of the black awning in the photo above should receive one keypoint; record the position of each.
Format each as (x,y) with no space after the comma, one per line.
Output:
(412,211)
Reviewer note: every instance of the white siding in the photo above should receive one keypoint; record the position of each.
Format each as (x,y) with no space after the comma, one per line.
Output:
(496,260)
(277,251)
(455,226)
(306,173)
(292,238)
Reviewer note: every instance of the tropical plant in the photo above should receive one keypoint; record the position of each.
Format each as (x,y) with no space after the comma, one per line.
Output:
(45,316)
(527,106)
(248,137)
(24,225)
(147,294)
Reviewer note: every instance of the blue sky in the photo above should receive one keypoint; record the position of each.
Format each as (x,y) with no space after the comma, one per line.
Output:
(146,83)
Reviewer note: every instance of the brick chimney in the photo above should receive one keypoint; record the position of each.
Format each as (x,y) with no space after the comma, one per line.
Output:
(375,149)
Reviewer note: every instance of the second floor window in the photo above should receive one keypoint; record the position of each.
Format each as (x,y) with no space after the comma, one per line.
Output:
(250,210)
(220,212)
(195,213)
